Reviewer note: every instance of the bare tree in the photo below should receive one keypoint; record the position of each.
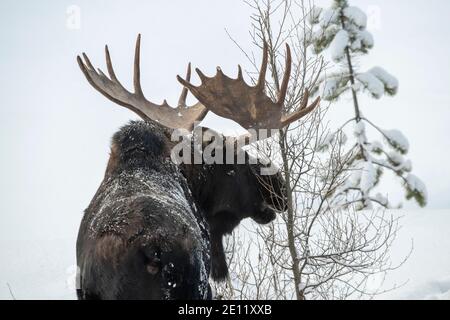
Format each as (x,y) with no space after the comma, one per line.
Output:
(312,250)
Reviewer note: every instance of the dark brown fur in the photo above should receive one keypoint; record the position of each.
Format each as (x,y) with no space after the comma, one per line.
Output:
(153,224)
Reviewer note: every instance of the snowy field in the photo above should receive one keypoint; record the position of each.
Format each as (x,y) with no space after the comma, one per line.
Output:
(44,268)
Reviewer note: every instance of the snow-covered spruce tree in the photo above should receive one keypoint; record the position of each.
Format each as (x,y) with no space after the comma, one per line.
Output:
(341,31)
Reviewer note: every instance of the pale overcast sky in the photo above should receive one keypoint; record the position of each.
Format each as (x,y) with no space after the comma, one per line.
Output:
(55,129)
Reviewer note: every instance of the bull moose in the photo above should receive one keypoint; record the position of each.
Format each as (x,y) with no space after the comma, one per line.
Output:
(154,227)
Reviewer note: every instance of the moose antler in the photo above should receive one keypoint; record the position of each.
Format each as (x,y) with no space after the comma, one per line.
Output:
(181,117)
(248,105)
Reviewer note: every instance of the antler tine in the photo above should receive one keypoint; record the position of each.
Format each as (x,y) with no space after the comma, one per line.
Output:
(87,68)
(286,77)
(112,89)
(185,83)
(189,85)
(137,68)
(302,111)
(201,75)
(305,99)
(109,65)
(240,77)
(247,105)
(262,73)
(88,62)
(184,92)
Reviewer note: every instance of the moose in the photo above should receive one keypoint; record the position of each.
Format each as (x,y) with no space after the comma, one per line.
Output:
(154,227)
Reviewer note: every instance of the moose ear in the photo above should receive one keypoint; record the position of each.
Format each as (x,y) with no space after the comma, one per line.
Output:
(113,161)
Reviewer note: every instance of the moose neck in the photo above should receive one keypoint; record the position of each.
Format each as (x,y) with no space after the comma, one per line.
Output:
(140,146)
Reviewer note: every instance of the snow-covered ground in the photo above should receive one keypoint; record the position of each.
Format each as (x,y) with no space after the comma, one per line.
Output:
(427,271)
(44,268)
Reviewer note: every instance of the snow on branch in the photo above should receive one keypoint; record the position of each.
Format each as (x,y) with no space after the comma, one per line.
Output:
(368,177)
(338,45)
(389,81)
(397,140)
(416,189)
(371,83)
(328,16)
(356,16)
(378,82)
(361,41)
(314,15)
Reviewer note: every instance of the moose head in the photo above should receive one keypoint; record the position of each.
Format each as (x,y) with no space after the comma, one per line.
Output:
(224,192)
